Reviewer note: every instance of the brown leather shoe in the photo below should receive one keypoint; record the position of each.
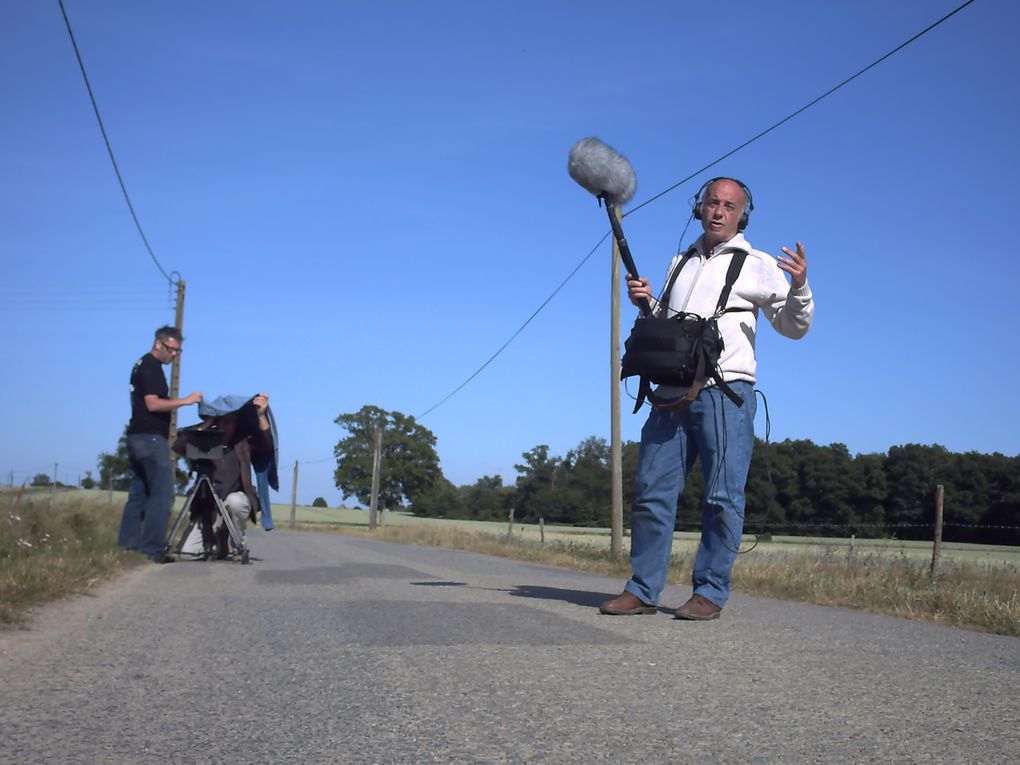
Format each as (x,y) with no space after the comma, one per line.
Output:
(627,604)
(698,609)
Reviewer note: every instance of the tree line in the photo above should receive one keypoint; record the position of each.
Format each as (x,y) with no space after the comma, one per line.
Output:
(794,487)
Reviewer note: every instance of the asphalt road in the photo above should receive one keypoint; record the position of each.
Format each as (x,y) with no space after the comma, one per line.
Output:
(332,649)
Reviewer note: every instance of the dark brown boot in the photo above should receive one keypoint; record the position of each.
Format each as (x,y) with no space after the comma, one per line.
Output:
(698,609)
(627,604)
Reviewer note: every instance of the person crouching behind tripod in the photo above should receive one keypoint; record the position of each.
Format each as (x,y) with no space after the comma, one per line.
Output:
(232,475)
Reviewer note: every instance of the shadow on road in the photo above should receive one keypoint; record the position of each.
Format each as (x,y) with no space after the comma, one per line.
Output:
(577,597)
(584,598)
(439,584)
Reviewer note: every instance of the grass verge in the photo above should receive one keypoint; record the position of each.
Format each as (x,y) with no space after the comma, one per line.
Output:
(971,596)
(54,547)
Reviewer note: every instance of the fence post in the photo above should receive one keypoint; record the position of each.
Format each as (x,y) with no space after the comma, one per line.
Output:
(541,529)
(293,495)
(53,485)
(850,555)
(937,546)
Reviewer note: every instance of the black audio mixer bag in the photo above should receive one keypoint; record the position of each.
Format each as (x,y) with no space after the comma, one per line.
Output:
(681,350)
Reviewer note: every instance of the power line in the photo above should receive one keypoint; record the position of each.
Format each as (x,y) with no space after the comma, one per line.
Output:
(109,148)
(519,328)
(81,299)
(316,462)
(804,108)
(679,183)
(58,299)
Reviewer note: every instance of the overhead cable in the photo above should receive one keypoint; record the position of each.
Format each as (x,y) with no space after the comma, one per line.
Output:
(109,148)
(804,108)
(520,328)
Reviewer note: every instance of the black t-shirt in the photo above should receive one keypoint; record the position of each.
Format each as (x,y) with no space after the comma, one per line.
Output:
(147,379)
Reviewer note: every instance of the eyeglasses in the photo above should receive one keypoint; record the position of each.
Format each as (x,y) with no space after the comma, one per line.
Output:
(171,349)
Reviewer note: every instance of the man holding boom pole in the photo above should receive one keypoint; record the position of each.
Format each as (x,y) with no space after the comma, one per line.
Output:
(706,422)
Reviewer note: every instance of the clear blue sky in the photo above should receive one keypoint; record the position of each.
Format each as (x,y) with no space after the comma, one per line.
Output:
(367,199)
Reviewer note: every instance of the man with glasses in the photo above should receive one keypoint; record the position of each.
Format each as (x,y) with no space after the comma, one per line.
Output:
(147,511)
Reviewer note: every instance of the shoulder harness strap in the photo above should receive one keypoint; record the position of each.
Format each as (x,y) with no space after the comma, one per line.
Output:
(736,263)
(663,300)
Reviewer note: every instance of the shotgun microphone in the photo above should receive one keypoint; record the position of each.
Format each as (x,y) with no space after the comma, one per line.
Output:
(602,170)
(608,175)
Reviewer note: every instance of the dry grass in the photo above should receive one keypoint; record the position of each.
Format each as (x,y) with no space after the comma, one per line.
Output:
(966,595)
(49,550)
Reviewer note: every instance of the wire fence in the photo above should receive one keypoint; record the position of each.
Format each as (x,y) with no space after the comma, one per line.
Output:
(855,526)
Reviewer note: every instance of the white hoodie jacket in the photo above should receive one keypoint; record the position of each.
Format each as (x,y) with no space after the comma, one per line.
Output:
(760,285)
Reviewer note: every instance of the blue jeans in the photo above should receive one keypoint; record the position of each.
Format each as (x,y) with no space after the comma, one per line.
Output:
(265,507)
(722,435)
(147,511)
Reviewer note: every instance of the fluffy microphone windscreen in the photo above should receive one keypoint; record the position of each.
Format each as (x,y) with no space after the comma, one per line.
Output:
(602,169)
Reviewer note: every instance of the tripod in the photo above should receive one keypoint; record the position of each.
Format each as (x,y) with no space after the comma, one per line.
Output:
(204,488)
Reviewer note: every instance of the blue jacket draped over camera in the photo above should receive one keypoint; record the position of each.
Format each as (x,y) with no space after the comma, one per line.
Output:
(266,468)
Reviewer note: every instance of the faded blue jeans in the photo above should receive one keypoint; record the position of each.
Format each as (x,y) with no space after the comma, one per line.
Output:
(722,435)
(147,511)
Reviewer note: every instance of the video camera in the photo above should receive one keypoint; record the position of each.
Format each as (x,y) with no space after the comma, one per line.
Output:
(203,446)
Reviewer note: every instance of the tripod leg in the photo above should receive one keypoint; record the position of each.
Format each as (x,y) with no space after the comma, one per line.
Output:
(179,522)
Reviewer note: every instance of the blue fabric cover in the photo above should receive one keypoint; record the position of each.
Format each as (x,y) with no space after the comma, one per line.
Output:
(266,474)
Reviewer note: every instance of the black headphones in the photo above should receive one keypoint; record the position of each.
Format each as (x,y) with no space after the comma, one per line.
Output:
(748,204)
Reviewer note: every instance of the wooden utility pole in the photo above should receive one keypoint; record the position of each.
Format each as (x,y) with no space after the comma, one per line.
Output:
(373,504)
(615,448)
(293,495)
(937,547)
(53,485)
(175,377)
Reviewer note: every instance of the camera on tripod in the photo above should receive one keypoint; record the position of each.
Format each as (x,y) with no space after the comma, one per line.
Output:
(203,446)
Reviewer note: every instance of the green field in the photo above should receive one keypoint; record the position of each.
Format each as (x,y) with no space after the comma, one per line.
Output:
(684,542)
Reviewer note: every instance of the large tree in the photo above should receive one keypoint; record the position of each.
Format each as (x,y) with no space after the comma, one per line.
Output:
(488,499)
(441,500)
(115,468)
(409,466)
(589,482)
(536,495)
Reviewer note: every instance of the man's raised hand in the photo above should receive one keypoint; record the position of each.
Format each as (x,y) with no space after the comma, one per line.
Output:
(795,264)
